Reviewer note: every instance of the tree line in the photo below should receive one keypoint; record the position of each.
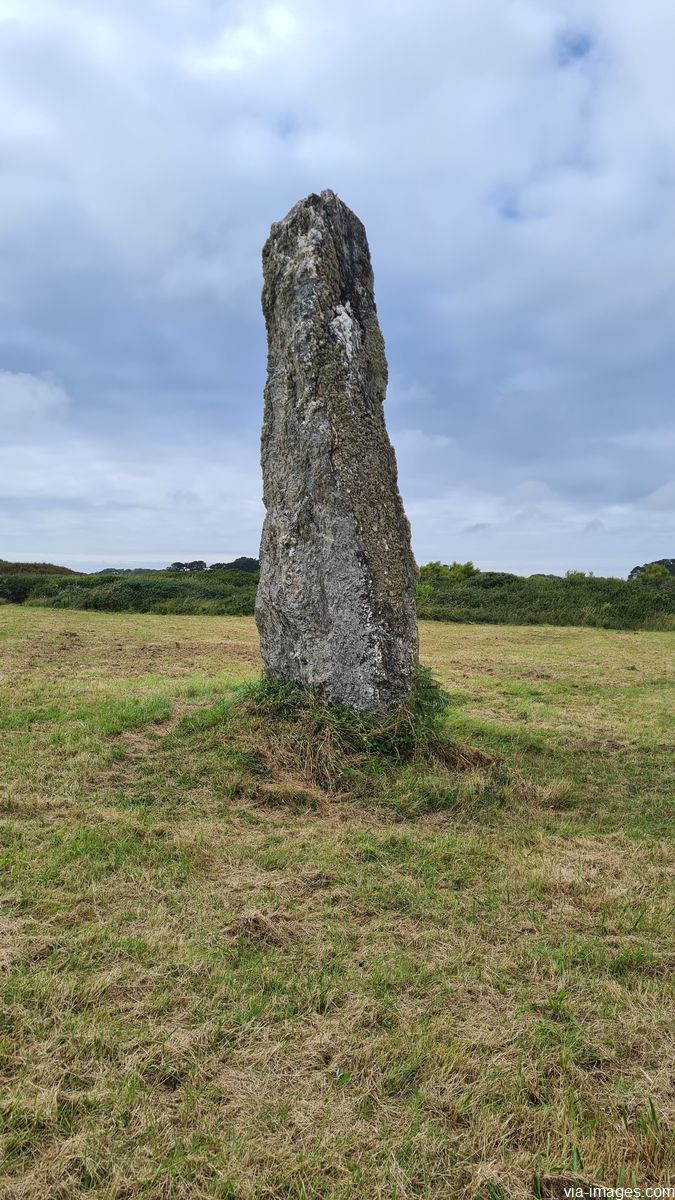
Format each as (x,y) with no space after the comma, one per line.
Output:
(446,592)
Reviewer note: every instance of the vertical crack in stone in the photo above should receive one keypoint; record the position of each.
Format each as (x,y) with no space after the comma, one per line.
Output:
(336,601)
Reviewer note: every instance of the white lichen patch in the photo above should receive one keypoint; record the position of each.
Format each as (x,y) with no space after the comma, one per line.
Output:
(346,330)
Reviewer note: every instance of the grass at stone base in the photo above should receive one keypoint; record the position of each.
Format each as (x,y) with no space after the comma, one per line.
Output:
(222,981)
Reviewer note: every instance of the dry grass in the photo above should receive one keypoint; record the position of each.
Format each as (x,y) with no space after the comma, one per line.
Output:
(223,981)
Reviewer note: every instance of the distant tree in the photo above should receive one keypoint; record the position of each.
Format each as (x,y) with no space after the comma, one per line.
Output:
(238,564)
(668,565)
(465,570)
(578,574)
(434,572)
(245,564)
(653,574)
(178,566)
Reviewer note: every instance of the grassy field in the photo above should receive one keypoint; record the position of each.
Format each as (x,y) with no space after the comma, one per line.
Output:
(219,981)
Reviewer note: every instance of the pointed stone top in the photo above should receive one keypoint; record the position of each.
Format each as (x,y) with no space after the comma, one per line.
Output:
(317,205)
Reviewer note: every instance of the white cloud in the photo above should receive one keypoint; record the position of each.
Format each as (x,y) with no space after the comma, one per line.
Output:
(513,166)
(78,499)
(245,46)
(25,396)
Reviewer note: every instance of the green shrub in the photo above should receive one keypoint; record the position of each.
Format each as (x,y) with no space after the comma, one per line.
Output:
(497,597)
(226,592)
(459,592)
(22,568)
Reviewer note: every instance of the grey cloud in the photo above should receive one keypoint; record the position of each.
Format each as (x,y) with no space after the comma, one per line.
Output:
(662,499)
(512,164)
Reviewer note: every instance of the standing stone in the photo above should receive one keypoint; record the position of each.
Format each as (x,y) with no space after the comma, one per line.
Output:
(336,601)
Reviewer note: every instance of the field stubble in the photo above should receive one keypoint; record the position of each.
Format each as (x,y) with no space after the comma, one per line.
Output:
(220,980)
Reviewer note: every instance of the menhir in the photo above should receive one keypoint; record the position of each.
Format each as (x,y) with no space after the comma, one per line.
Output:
(336,602)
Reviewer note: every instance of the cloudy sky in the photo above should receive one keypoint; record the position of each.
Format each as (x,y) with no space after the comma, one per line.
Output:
(514,164)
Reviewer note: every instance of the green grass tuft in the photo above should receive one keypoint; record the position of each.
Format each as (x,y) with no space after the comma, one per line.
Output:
(337,748)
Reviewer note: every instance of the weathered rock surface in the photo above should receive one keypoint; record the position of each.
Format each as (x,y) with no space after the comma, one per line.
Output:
(336,601)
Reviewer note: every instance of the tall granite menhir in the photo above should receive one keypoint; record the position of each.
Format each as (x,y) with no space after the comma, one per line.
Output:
(336,601)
